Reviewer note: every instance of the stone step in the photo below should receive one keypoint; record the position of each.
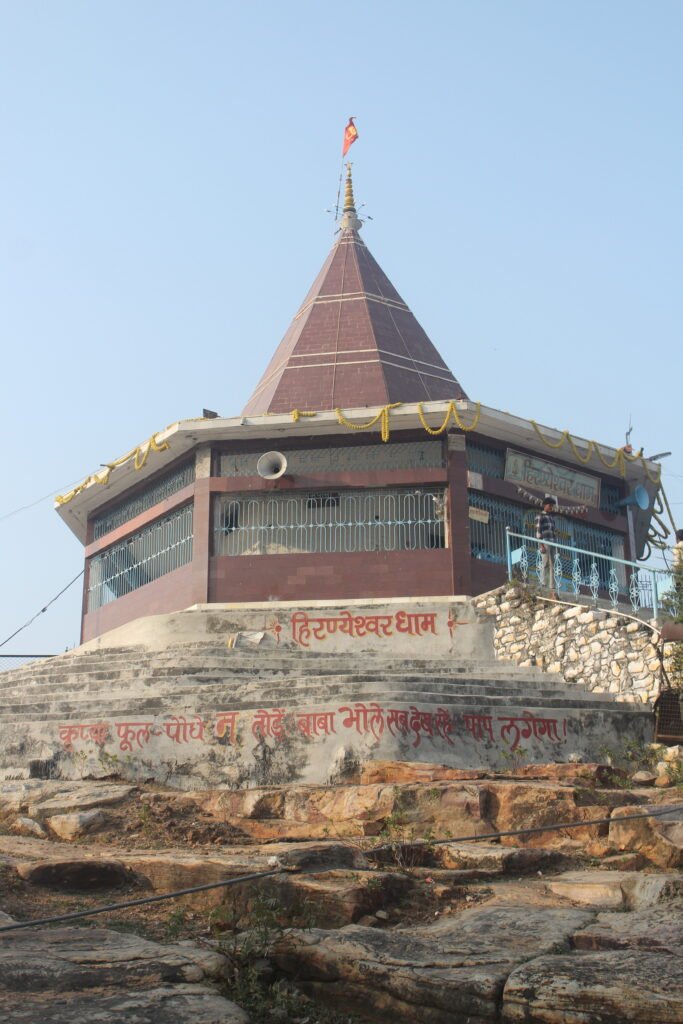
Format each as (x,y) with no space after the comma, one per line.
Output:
(188,685)
(485,681)
(107,681)
(490,675)
(137,678)
(125,707)
(278,663)
(260,656)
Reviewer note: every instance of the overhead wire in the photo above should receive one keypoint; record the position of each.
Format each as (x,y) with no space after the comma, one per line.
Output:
(32,504)
(44,609)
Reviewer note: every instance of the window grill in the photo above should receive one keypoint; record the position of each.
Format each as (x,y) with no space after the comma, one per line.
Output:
(348,521)
(482,458)
(351,458)
(152,495)
(327,499)
(145,556)
(610,496)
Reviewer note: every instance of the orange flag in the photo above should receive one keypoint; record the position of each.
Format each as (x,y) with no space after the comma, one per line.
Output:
(350,136)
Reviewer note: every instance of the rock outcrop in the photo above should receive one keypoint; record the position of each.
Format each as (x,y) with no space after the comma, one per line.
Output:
(366,913)
(94,974)
(454,969)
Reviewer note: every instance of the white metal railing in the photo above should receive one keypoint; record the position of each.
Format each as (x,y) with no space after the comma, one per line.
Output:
(577,571)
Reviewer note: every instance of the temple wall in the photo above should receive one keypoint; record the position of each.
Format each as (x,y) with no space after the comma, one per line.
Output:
(487,575)
(317,465)
(367,574)
(170,593)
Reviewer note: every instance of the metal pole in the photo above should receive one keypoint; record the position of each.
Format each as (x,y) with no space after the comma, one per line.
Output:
(508,551)
(631,531)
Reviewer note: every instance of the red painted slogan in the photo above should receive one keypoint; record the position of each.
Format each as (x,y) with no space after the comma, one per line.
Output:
(365,718)
(514,728)
(413,623)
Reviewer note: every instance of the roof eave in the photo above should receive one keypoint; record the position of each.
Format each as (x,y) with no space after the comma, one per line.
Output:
(186,435)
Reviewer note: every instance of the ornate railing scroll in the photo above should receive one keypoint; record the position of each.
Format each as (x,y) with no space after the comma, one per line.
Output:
(577,571)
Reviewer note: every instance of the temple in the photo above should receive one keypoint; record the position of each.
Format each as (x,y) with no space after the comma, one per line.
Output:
(358,469)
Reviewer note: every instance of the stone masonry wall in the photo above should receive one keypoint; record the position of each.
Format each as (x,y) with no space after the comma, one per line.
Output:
(606,652)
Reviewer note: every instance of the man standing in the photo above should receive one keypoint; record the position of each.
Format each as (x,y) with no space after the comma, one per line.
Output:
(545,533)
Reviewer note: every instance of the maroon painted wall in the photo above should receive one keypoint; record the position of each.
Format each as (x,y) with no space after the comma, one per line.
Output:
(330,576)
(486,575)
(170,593)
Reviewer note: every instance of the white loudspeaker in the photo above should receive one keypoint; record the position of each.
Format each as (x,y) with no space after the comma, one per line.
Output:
(271,466)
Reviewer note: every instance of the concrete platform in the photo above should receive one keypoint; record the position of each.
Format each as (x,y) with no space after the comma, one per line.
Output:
(240,696)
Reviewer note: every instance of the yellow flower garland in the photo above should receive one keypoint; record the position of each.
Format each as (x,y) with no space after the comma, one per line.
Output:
(296,414)
(382,415)
(619,461)
(139,454)
(451,411)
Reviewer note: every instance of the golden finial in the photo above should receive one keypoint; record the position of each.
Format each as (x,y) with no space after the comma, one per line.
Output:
(349,201)
(349,220)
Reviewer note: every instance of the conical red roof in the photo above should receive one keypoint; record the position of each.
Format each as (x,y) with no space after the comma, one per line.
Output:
(354,341)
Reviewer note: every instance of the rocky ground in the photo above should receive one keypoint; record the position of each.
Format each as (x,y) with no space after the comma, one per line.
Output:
(370,919)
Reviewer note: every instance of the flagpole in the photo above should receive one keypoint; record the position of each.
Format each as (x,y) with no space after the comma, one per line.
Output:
(350,136)
(341,175)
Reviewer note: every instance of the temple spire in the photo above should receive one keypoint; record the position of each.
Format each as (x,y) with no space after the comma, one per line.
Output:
(354,341)
(350,220)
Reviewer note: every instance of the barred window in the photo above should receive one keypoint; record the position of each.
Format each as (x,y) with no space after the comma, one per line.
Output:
(163,488)
(484,459)
(345,521)
(160,548)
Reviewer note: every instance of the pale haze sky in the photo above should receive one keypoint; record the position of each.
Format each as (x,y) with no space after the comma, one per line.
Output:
(165,168)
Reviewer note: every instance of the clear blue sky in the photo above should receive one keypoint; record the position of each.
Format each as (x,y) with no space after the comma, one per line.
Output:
(164,172)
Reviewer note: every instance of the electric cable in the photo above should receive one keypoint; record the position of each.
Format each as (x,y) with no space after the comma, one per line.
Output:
(522,831)
(112,907)
(32,504)
(34,617)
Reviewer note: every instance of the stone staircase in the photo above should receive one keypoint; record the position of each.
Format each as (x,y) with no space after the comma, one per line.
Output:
(136,679)
(205,713)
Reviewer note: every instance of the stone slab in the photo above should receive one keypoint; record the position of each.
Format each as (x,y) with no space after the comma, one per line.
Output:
(616,987)
(80,823)
(161,1004)
(73,959)
(631,889)
(658,929)
(659,840)
(453,970)
(492,857)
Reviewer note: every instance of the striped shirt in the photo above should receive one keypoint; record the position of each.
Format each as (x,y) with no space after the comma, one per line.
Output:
(545,527)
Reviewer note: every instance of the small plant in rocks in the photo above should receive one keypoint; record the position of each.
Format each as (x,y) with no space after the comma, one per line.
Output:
(250,979)
(515,759)
(176,923)
(631,756)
